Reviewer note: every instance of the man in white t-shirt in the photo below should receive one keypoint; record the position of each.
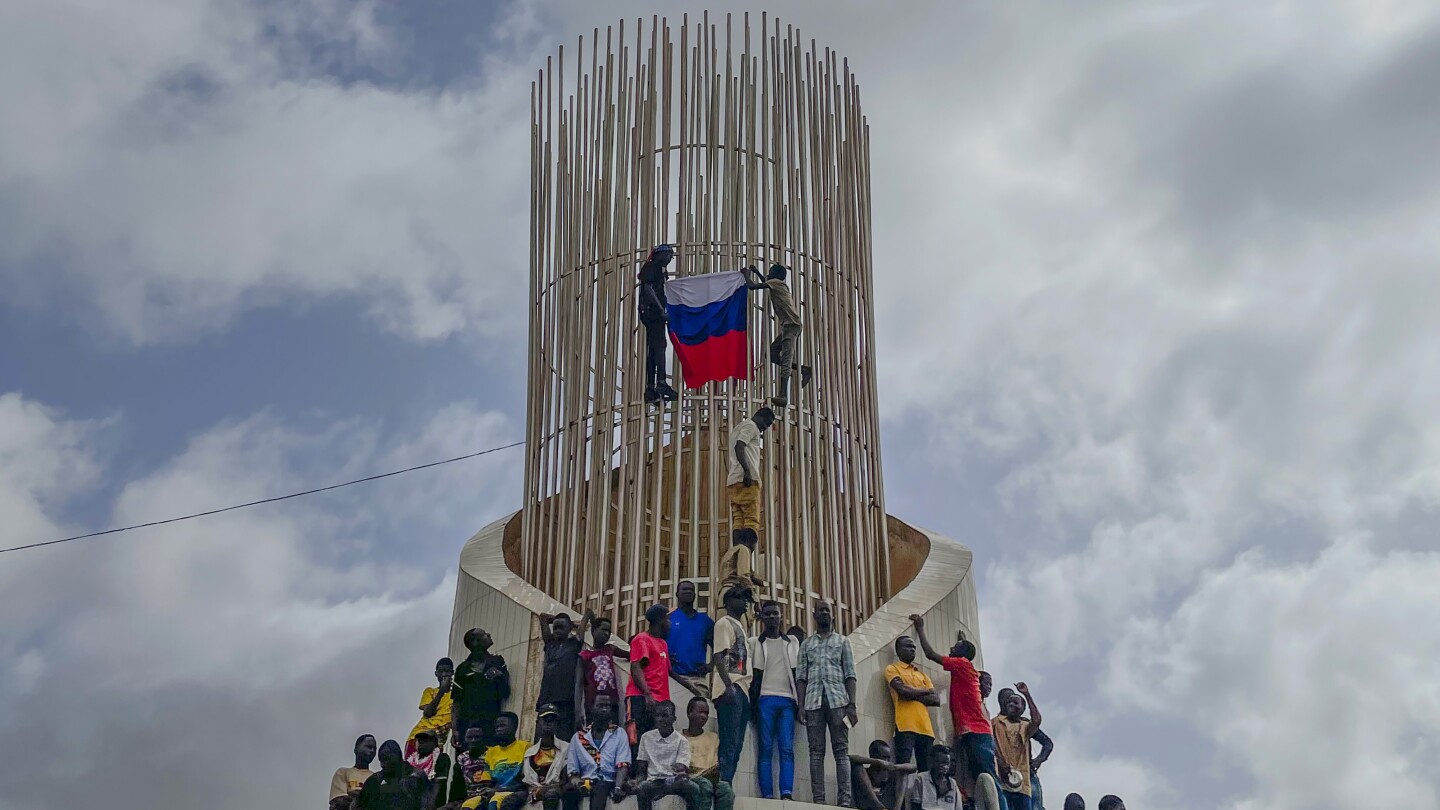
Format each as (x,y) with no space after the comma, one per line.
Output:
(730,677)
(743,486)
(773,655)
(665,753)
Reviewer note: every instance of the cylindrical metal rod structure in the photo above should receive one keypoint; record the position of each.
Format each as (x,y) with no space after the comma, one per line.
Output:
(738,147)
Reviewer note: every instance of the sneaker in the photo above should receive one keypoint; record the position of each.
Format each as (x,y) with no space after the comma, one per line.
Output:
(779,402)
(670,394)
(786,797)
(806,375)
(652,396)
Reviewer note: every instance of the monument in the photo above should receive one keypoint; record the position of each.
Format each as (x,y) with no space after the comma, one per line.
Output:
(740,143)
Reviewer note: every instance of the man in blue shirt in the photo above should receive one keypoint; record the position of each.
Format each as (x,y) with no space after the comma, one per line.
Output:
(598,760)
(690,633)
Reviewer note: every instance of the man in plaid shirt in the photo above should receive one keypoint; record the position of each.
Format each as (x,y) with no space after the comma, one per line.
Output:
(825,681)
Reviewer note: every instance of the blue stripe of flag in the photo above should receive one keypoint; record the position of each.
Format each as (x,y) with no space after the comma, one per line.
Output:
(694,325)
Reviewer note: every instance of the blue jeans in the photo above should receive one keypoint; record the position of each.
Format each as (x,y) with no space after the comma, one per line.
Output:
(1037,796)
(979,752)
(777,727)
(1014,801)
(733,709)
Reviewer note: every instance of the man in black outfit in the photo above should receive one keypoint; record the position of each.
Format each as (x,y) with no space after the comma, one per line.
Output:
(398,785)
(560,679)
(481,685)
(653,316)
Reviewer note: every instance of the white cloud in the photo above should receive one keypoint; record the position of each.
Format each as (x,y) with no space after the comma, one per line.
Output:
(321,616)
(1159,278)
(1316,677)
(178,171)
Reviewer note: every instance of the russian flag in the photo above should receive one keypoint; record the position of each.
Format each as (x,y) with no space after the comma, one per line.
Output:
(707,326)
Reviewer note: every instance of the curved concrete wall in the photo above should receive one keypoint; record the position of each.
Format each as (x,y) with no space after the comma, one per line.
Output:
(489,594)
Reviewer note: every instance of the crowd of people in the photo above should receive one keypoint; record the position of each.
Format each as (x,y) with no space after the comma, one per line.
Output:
(597,744)
(600,738)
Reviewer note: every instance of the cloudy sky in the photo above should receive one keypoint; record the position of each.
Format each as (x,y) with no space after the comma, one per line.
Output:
(1156,297)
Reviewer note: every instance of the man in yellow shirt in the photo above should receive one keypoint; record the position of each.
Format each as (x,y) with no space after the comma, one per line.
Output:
(912,693)
(346,783)
(435,707)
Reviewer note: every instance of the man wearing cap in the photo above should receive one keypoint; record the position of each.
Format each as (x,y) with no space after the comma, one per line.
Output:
(651,305)
(730,668)
(787,318)
(545,760)
(429,758)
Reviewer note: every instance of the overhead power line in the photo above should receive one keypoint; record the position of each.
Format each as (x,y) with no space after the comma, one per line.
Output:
(262,501)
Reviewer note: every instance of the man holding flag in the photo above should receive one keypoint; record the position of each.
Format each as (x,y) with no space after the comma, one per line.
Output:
(654,317)
(787,317)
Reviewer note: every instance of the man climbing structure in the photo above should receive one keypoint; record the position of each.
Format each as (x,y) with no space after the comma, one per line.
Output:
(737,566)
(787,318)
(651,305)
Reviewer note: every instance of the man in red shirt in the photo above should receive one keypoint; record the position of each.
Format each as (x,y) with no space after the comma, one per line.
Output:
(974,738)
(649,669)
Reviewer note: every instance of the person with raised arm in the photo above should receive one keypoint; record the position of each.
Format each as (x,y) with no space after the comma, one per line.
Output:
(787,319)
(1013,732)
(560,677)
(600,676)
(974,739)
